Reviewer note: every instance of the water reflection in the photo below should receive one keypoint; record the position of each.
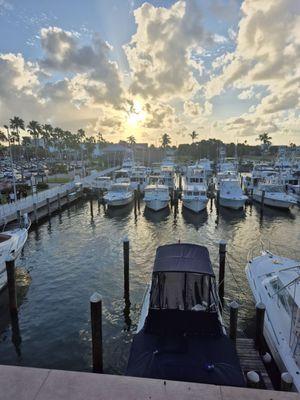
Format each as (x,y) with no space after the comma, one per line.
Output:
(157,216)
(118,213)
(197,220)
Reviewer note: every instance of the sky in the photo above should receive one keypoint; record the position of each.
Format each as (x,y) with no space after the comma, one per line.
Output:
(228,69)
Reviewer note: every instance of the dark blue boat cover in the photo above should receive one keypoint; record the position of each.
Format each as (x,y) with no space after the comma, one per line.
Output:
(183,257)
(190,358)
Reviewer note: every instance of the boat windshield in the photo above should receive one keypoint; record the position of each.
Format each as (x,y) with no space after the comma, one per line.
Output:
(181,291)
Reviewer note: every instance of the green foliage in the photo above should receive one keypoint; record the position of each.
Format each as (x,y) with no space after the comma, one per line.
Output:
(42,186)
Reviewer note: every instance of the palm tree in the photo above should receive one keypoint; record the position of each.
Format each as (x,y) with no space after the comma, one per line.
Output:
(3,137)
(46,133)
(293,145)
(193,135)
(81,137)
(57,138)
(34,128)
(165,140)
(131,140)
(265,139)
(100,138)
(16,124)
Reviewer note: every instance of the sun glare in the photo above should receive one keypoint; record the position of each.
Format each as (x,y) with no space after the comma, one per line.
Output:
(136,114)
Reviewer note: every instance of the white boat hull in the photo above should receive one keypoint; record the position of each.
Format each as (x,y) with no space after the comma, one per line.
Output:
(274,322)
(156,204)
(273,202)
(195,205)
(235,204)
(118,202)
(14,251)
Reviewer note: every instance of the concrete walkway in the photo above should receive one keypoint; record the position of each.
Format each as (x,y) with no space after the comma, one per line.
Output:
(20,383)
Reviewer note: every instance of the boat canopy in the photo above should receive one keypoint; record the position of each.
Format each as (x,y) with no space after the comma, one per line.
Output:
(183,257)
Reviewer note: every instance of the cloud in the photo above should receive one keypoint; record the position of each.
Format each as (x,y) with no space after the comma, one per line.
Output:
(159,53)
(100,77)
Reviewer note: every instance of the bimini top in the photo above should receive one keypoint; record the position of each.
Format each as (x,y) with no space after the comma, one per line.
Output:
(183,257)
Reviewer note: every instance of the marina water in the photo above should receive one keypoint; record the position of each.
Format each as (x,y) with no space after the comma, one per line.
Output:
(75,254)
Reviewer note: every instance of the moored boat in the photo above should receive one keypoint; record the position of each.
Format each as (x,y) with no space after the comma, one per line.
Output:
(273,195)
(180,334)
(275,281)
(231,194)
(12,242)
(119,194)
(157,196)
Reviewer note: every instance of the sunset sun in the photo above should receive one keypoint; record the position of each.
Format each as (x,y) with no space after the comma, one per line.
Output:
(136,114)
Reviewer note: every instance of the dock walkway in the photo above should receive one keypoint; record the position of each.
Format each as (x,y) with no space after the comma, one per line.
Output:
(22,383)
(57,197)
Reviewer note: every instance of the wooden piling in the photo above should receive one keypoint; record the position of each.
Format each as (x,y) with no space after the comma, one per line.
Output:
(48,207)
(135,199)
(234,309)
(67,195)
(58,201)
(253,379)
(259,330)
(286,382)
(218,198)
(126,266)
(11,284)
(91,208)
(139,196)
(96,324)
(262,202)
(36,220)
(222,258)
(19,217)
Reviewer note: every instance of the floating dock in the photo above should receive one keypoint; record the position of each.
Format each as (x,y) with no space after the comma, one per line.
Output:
(22,383)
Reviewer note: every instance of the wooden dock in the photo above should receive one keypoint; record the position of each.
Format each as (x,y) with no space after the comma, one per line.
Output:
(250,360)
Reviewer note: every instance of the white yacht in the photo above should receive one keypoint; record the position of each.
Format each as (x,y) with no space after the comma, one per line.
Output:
(122,176)
(194,189)
(128,163)
(139,178)
(11,244)
(119,194)
(206,165)
(231,194)
(275,281)
(275,195)
(167,170)
(101,183)
(157,195)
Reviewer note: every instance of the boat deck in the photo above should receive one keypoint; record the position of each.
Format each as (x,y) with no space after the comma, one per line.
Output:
(250,360)
(21,383)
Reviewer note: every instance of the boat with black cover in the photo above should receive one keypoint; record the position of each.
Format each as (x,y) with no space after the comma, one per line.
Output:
(180,335)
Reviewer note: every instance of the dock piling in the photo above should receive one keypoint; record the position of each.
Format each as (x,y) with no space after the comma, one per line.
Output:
(222,258)
(286,382)
(253,379)
(36,220)
(126,267)
(96,323)
(48,207)
(262,202)
(259,330)
(11,284)
(91,208)
(234,309)
(58,201)
(67,195)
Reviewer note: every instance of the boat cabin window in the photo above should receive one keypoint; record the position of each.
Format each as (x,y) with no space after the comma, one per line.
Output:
(181,291)
(283,296)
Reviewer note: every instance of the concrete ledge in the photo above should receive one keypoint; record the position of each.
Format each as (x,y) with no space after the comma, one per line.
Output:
(21,383)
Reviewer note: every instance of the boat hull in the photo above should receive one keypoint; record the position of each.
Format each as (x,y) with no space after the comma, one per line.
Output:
(195,205)
(235,204)
(156,205)
(273,202)
(118,202)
